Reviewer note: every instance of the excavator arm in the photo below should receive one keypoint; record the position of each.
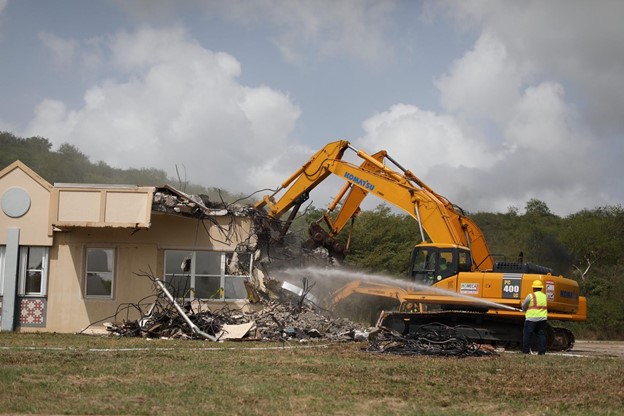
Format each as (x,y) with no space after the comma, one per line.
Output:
(305,179)
(437,217)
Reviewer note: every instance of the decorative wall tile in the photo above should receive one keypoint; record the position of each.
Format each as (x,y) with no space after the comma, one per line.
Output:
(32,312)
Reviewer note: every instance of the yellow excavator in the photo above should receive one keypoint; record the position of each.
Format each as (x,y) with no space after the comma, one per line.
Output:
(456,280)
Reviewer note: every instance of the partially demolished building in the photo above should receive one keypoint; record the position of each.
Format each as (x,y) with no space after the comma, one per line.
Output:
(98,259)
(72,255)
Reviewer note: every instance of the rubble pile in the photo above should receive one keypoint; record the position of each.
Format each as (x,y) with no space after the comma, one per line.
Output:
(170,200)
(167,323)
(288,317)
(432,339)
(285,319)
(279,321)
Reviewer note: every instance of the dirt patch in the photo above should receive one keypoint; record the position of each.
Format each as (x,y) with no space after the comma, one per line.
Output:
(598,349)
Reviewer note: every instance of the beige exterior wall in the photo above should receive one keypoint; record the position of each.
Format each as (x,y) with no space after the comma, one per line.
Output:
(34,226)
(69,310)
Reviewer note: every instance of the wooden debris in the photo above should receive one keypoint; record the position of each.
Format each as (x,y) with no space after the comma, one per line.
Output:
(283,319)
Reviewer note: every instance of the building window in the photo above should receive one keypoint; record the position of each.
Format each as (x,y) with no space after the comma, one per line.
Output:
(100,274)
(33,268)
(207,274)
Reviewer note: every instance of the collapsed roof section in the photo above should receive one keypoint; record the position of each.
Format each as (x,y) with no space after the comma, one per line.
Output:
(170,200)
(125,206)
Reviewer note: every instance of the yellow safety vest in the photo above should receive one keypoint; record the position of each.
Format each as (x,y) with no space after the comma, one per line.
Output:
(537,306)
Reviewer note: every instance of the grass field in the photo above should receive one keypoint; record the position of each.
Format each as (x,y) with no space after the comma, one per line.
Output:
(78,374)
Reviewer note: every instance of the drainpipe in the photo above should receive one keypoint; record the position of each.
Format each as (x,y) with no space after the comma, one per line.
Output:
(10,280)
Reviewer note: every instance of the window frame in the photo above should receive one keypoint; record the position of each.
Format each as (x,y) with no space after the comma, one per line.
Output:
(24,256)
(451,268)
(193,275)
(113,272)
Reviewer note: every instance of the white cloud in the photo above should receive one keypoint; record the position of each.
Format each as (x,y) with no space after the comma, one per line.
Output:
(512,124)
(482,83)
(85,56)
(541,121)
(427,139)
(175,104)
(63,50)
(504,139)
(512,132)
(544,154)
(578,42)
(548,156)
(328,28)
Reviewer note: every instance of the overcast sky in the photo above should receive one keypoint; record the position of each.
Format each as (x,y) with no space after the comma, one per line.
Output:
(491,103)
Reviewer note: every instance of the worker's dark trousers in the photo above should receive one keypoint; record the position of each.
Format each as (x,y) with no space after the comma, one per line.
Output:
(530,328)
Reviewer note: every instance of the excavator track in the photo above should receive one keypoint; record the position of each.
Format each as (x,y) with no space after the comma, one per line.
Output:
(562,339)
(481,328)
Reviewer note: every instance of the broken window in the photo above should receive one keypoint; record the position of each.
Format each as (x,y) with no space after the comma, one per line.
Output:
(207,274)
(208,269)
(33,268)
(177,272)
(237,270)
(100,272)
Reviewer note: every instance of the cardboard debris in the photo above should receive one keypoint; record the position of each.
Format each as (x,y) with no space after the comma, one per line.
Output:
(235,331)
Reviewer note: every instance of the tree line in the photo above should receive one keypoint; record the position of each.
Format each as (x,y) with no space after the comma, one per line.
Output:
(587,246)
(70,165)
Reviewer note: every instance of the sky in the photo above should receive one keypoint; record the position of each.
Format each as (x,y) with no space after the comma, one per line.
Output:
(491,103)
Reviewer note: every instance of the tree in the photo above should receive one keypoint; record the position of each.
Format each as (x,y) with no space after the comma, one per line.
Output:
(69,164)
(593,236)
(383,241)
(33,151)
(537,207)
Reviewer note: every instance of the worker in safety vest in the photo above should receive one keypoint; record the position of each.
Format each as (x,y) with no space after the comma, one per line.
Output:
(535,318)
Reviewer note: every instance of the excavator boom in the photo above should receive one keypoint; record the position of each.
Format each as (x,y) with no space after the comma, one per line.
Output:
(437,217)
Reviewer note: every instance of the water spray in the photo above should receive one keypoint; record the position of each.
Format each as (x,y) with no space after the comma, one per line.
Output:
(320,274)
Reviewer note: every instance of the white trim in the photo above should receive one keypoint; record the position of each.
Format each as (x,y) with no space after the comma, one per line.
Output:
(221,274)
(24,252)
(2,256)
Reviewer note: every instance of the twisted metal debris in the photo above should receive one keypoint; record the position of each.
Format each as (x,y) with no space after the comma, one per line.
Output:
(275,322)
(287,318)
(431,339)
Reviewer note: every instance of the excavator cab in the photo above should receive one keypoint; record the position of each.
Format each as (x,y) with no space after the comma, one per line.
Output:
(430,264)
